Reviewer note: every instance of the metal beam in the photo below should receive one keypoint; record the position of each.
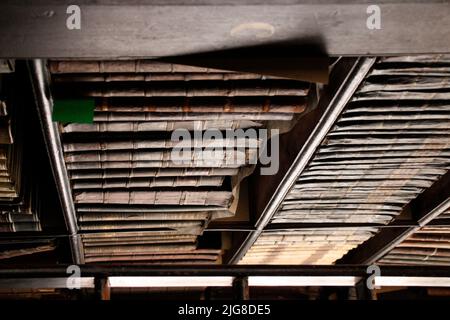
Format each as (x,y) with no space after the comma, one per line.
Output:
(112,29)
(221,275)
(40,83)
(424,209)
(268,281)
(92,270)
(332,106)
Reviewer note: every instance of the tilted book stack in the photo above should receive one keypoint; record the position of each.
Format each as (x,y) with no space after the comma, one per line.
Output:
(134,203)
(19,201)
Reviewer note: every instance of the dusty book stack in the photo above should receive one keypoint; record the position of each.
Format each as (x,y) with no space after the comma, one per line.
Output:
(10,150)
(389,144)
(426,246)
(134,203)
(19,203)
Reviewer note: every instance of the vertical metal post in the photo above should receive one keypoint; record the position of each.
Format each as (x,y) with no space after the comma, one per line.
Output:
(40,82)
(362,291)
(102,288)
(240,288)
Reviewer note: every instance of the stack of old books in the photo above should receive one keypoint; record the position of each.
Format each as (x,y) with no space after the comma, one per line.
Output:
(134,204)
(18,196)
(390,143)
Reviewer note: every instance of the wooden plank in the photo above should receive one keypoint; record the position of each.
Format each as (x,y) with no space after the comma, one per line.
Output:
(163,28)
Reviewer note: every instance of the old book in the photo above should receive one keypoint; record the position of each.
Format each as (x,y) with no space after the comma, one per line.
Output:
(214,88)
(149,183)
(132,127)
(276,104)
(136,66)
(216,198)
(148,173)
(156,76)
(135,144)
(189,116)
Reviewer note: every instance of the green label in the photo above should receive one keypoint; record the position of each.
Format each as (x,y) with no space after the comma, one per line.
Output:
(74,110)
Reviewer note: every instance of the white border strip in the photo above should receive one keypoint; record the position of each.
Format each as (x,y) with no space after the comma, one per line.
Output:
(412,281)
(285,281)
(143,282)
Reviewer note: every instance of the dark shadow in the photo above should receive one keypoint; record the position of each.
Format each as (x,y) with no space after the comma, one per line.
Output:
(304,60)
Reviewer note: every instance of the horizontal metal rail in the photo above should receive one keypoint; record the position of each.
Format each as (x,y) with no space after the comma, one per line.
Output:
(220,276)
(92,270)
